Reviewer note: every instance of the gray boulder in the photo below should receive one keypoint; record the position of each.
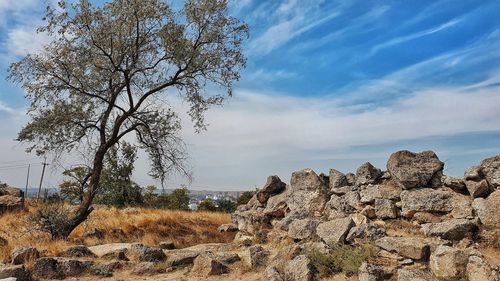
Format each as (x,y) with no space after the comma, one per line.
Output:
(369,193)
(302,229)
(367,173)
(473,173)
(413,170)
(426,200)
(488,209)
(477,188)
(147,254)
(308,193)
(337,180)
(490,168)
(413,248)
(206,265)
(457,184)
(257,256)
(448,263)
(273,186)
(385,209)
(334,231)
(454,229)
(299,269)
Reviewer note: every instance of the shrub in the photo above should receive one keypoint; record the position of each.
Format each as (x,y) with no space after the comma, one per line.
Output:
(226,206)
(52,218)
(341,258)
(207,205)
(245,197)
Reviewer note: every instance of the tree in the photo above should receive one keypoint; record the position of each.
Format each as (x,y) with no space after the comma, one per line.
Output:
(244,197)
(108,72)
(74,186)
(226,206)
(178,199)
(207,205)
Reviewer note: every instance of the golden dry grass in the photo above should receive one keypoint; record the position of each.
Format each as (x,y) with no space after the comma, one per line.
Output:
(148,226)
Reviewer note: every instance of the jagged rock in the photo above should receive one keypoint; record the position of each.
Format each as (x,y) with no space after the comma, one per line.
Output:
(19,272)
(367,173)
(448,263)
(147,254)
(337,180)
(379,191)
(181,258)
(146,268)
(273,186)
(24,254)
(426,217)
(230,227)
(454,229)
(461,206)
(372,272)
(457,184)
(369,212)
(309,193)
(9,203)
(12,191)
(425,200)
(299,269)
(169,245)
(302,229)
(206,265)
(71,267)
(413,274)
(351,178)
(334,231)
(110,249)
(47,268)
(258,256)
(477,189)
(359,219)
(473,173)
(227,258)
(276,206)
(385,209)
(490,168)
(78,251)
(413,170)
(272,274)
(365,231)
(488,209)
(413,248)
(341,206)
(479,269)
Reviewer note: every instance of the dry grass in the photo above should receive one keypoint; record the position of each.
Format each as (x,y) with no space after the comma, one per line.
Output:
(148,226)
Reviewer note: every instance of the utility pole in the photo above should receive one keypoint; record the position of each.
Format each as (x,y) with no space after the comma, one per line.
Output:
(27,181)
(41,179)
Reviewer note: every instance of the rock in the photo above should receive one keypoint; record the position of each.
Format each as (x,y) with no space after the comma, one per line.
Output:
(147,254)
(71,267)
(334,231)
(426,200)
(110,249)
(146,268)
(302,229)
(19,272)
(385,209)
(306,179)
(78,251)
(412,248)
(365,231)
(94,233)
(206,265)
(9,203)
(457,184)
(272,274)
(413,170)
(24,254)
(369,212)
(169,245)
(47,268)
(337,180)
(473,173)
(461,206)
(242,239)
(477,189)
(454,229)
(258,256)
(372,272)
(379,191)
(120,255)
(230,227)
(276,206)
(488,209)
(359,219)
(448,263)
(351,178)
(227,258)
(426,217)
(367,173)
(407,274)
(340,206)
(12,191)
(479,269)
(490,168)
(299,269)
(181,258)
(272,187)
(308,194)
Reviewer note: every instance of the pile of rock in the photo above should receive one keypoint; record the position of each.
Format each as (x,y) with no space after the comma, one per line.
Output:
(448,216)
(11,199)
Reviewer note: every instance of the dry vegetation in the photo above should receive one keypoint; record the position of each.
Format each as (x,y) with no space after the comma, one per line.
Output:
(148,226)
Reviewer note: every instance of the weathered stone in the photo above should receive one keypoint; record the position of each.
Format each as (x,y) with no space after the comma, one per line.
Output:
(413,248)
(110,249)
(230,227)
(273,186)
(385,209)
(477,189)
(147,254)
(365,231)
(227,258)
(302,229)
(71,267)
(425,200)
(340,206)
(276,206)
(479,269)
(9,203)
(146,268)
(351,178)
(372,272)
(367,173)
(272,274)
(258,256)
(337,180)
(309,193)
(169,245)
(334,231)
(490,168)
(299,269)
(426,217)
(488,209)
(47,268)
(206,265)
(78,251)
(379,191)
(454,229)
(413,170)
(24,254)
(473,173)
(461,206)
(181,258)
(407,274)
(19,272)
(457,184)
(369,212)
(359,219)
(306,179)
(448,263)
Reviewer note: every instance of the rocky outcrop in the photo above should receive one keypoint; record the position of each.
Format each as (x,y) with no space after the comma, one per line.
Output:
(272,187)
(11,199)
(415,170)
(367,173)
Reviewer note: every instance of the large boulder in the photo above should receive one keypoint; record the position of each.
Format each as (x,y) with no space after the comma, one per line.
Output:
(448,263)
(413,170)
(272,187)
(490,168)
(334,231)
(337,180)
(454,229)
(426,200)
(299,269)
(385,209)
(206,265)
(309,193)
(257,256)
(457,184)
(371,192)
(367,173)
(488,209)
(479,269)
(147,254)
(9,203)
(413,248)
(302,229)
(19,272)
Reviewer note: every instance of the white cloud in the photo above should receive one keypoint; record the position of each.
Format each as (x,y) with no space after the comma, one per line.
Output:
(24,39)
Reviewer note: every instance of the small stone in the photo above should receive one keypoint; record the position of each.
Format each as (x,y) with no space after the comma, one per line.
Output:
(385,209)
(273,186)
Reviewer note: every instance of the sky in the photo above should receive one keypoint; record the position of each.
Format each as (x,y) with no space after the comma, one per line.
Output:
(328,84)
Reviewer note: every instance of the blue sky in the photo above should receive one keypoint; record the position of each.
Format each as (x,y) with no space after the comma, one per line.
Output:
(328,84)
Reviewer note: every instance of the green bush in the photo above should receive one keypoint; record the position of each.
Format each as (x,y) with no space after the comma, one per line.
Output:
(341,258)
(52,218)
(207,205)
